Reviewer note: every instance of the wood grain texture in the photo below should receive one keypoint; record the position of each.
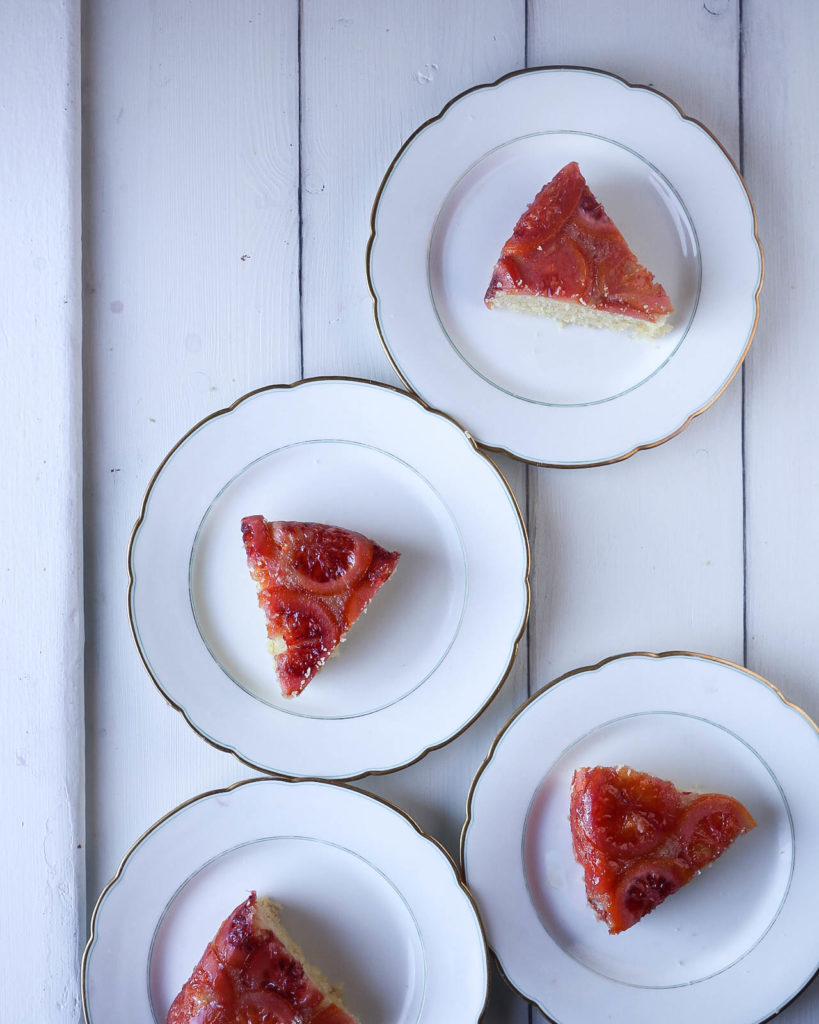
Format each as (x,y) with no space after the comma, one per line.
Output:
(42,840)
(371,74)
(657,47)
(645,554)
(781,157)
(191,299)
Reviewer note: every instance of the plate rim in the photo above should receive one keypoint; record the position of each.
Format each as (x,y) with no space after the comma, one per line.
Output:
(339,378)
(589,669)
(449,862)
(683,116)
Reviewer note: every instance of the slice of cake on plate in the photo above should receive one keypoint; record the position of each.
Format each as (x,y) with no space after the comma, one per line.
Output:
(639,839)
(253,973)
(313,582)
(566,259)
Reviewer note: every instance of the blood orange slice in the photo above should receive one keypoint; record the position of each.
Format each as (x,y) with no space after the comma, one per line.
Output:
(626,820)
(308,631)
(642,887)
(709,826)
(324,559)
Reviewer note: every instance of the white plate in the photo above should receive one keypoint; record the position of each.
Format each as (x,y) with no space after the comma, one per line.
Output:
(435,644)
(734,945)
(322,851)
(563,396)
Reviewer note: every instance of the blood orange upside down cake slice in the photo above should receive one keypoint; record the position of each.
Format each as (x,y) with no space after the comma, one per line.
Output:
(253,973)
(639,838)
(313,582)
(566,259)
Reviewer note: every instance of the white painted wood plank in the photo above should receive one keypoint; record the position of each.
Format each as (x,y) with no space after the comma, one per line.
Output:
(370,77)
(41,699)
(781,143)
(646,554)
(191,277)
(667,46)
(781,158)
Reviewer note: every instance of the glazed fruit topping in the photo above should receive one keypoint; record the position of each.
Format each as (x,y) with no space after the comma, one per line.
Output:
(565,246)
(309,632)
(627,820)
(325,559)
(639,838)
(313,582)
(248,975)
(709,826)
(642,887)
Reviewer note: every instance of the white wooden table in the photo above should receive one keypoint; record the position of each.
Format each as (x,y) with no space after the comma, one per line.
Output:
(230,155)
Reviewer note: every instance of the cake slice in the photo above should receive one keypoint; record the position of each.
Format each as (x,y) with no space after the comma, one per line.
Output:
(313,582)
(639,838)
(566,259)
(253,973)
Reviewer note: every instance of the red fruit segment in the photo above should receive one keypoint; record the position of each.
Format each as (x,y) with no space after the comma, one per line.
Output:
(639,838)
(260,547)
(643,887)
(565,246)
(308,631)
(379,571)
(626,820)
(313,580)
(250,974)
(709,826)
(325,559)
(626,287)
(563,271)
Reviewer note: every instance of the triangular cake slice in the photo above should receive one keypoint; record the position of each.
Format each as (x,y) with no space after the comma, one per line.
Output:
(253,973)
(313,581)
(566,259)
(639,838)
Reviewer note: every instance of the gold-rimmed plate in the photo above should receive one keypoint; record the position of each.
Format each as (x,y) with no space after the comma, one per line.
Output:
(323,851)
(574,396)
(734,945)
(433,647)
